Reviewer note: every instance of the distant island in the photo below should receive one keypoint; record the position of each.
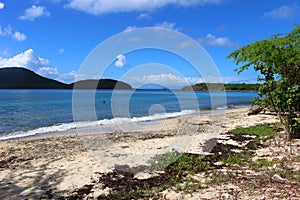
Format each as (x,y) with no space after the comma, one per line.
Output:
(220,86)
(21,78)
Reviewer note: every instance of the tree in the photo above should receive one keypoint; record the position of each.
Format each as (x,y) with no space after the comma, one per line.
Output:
(277,60)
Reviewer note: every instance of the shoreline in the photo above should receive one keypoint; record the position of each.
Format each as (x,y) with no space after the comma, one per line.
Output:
(107,128)
(34,167)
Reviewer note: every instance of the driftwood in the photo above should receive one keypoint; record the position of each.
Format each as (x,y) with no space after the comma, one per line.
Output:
(255,111)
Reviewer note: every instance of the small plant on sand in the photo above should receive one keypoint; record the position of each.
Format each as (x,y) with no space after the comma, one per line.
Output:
(218,177)
(235,159)
(190,163)
(258,130)
(259,163)
(179,163)
(160,162)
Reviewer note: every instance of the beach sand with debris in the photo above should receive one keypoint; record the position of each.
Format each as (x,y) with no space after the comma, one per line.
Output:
(50,167)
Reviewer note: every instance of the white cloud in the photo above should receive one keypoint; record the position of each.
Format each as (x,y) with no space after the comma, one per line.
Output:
(121,61)
(168,25)
(283,12)
(167,80)
(211,40)
(34,12)
(177,82)
(144,16)
(1,5)
(29,60)
(97,7)
(7,31)
(19,36)
(129,29)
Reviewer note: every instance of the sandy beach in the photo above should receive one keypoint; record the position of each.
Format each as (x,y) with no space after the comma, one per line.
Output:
(35,168)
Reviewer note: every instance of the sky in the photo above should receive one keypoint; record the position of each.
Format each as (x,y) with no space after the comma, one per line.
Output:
(55,38)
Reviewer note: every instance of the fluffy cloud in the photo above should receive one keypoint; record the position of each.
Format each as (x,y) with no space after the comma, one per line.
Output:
(97,7)
(19,36)
(1,5)
(211,40)
(34,12)
(121,61)
(283,12)
(7,31)
(29,60)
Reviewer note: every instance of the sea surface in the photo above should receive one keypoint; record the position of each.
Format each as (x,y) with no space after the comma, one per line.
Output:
(30,112)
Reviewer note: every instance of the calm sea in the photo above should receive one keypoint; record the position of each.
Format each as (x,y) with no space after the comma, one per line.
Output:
(29,112)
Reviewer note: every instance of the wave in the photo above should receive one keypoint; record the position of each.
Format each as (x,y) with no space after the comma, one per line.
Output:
(84,124)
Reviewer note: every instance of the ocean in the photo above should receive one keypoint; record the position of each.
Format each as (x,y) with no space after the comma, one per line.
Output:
(30,112)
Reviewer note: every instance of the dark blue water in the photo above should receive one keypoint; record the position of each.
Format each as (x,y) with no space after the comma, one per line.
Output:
(22,110)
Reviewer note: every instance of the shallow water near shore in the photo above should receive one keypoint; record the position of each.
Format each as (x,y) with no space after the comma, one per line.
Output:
(30,112)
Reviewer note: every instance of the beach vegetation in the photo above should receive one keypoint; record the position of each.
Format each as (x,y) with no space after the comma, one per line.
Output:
(258,130)
(277,59)
(263,162)
(188,173)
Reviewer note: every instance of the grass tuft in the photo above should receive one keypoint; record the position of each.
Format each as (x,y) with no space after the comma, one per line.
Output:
(258,130)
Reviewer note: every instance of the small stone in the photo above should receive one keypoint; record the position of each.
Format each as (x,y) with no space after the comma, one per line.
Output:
(264,197)
(278,178)
(225,196)
(142,176)
(219,163)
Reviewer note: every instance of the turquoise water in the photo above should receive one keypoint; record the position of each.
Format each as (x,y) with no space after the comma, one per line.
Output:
(51,110)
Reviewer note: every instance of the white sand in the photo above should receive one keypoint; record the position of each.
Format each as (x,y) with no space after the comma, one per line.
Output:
(30,168)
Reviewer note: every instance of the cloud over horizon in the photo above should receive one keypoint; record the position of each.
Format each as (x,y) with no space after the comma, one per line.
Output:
(97,7)
(29,60)
(172,81)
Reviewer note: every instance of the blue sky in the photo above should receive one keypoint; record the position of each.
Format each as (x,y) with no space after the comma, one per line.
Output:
(54,37)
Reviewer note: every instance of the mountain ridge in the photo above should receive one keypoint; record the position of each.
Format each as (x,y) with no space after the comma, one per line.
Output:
(21,78)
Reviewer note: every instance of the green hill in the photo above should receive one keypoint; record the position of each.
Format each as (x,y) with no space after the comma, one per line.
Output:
(21,78)
(100,84)
(220,86)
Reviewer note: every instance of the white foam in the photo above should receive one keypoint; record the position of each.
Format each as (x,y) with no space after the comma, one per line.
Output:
(113,121)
